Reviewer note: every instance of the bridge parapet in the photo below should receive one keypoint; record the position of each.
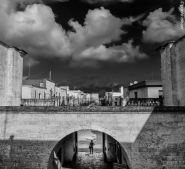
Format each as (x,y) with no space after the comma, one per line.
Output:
(152,137)
(95,109)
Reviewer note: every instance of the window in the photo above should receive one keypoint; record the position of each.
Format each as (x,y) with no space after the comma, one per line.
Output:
(135,94)
(160,94)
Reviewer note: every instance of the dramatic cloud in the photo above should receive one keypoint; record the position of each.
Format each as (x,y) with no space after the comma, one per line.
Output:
(162,26)
(35,30)
(124,53)
(100,27)
(28,61)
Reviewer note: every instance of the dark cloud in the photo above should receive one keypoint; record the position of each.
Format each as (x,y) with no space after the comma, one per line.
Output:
(106,1)
(90,77)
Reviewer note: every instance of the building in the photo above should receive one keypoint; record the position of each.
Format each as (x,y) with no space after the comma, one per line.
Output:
(64,87)
(33,92)
(173,72)
(46,83)
(146,89)
(115,94)
(94,97)
(126,90)
(74,93)
(11,70)
(115,98)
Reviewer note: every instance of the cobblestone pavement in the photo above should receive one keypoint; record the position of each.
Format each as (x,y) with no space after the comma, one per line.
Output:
(89,161)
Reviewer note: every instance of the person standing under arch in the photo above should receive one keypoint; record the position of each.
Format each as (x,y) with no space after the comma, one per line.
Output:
(91,146)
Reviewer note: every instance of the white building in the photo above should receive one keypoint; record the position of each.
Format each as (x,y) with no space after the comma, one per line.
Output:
(33,92)
(115,94)
(50,87)
(74,93)
(46,83)
(94,97)
(146,89)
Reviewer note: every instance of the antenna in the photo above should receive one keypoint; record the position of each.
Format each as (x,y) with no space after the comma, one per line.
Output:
(29,70)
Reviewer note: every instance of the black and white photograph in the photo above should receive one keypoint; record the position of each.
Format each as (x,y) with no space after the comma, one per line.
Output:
(92,84)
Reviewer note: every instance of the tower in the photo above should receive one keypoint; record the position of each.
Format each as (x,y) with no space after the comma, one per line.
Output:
(11,70)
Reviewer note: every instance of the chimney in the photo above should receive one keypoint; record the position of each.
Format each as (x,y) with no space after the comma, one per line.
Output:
(50,75)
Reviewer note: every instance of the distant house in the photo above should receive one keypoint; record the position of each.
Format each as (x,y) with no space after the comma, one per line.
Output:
(126,90)
(46,83)
(94,97)
(33,92)
(146,89)
(74,93)
(115,98)
(115,94)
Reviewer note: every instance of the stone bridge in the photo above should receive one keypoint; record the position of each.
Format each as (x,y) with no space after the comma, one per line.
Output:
(152,138)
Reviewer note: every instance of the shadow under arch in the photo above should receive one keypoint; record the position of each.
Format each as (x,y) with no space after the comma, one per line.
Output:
(86,127)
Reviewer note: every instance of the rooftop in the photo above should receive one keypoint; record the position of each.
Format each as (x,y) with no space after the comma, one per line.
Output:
(146,83)
(34,86)
(22,52)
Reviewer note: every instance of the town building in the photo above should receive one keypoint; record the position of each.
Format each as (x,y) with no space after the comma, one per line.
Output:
(126,90)
(42,82)
(115,98)
(74,93)
(146,89)
(11,70)
(33,92)
(94,97)
(173,72)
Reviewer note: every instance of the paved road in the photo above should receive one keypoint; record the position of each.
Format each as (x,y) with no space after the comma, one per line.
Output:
(89,161)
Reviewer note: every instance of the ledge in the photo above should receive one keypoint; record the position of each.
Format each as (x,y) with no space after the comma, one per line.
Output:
(78,109)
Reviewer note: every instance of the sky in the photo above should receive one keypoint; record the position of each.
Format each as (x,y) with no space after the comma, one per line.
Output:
(97,42)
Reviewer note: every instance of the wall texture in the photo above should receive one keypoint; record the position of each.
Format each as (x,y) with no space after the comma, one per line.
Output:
(38,102)
(178,72)
(173,72)
(151,137)
(11,68)
(166,73)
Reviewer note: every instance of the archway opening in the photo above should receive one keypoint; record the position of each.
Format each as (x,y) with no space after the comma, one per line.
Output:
(88,149)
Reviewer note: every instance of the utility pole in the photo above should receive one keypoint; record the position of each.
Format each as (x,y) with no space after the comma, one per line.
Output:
(29,70)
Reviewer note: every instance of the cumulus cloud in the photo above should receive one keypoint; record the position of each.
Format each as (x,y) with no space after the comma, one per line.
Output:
(35,30)
(100,27)
(161,26)
(123,53)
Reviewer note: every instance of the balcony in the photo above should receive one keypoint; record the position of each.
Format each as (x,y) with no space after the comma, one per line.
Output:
(148,102)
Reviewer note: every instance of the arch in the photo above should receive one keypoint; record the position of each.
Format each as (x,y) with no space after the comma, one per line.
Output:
(85,126)
(89,127)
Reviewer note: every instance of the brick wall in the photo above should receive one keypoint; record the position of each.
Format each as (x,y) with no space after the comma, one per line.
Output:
(154,138)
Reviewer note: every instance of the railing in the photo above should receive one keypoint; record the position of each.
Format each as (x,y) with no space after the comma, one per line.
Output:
(145,102)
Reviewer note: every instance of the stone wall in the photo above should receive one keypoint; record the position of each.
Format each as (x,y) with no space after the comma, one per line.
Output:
(11,68)
(173,72)
(152,138)
(178,72)
(38,102)
(166,75)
